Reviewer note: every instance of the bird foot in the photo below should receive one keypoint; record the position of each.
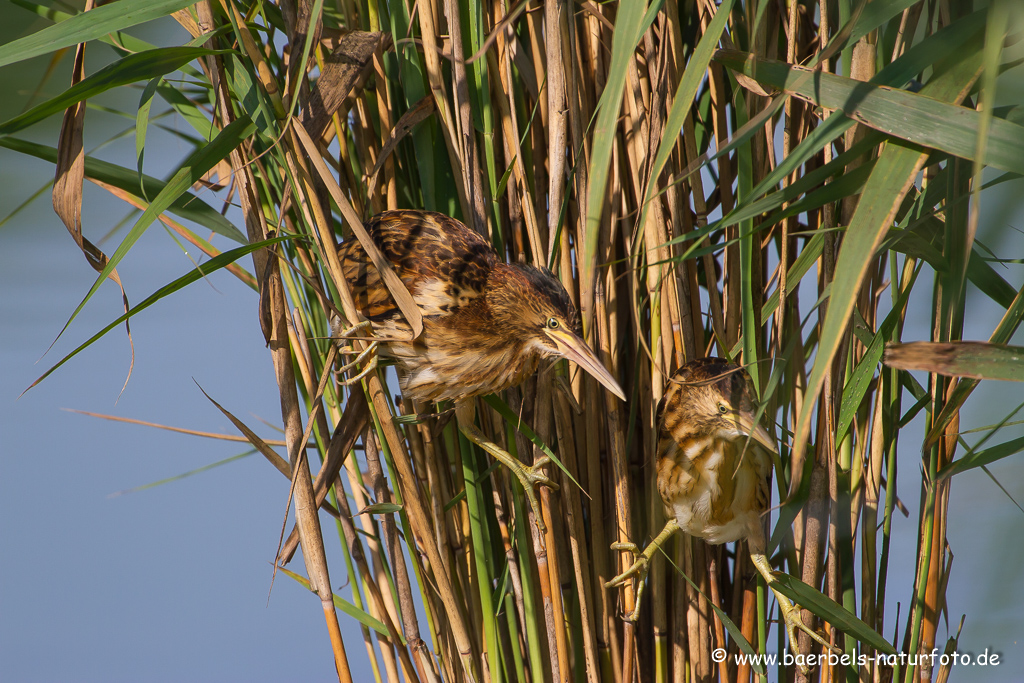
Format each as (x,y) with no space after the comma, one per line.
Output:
(790,612)
(793,620)
(371,365)
(642,564)
(343,338)
(532,477)
(639,569)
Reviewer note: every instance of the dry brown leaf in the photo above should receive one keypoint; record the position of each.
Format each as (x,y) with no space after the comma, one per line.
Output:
(259,444)
(184,17)
(217,178)
(67,187)
(343,70)
(977,360)
(178,430)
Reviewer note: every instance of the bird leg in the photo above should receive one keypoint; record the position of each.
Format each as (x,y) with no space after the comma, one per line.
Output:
(529,476)
(790,612)
(642,564)
(369,352)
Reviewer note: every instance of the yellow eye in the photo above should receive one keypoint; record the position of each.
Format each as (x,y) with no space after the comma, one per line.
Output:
(552,323)
(722,409)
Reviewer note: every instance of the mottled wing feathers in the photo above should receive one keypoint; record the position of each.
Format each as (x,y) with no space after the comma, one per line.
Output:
(444,264)
(369,292)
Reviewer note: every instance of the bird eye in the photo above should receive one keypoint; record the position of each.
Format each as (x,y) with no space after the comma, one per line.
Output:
(722,409)
(552,323)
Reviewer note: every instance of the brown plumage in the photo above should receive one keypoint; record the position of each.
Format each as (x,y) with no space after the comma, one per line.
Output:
(711,480)
(486,323)
(714,461)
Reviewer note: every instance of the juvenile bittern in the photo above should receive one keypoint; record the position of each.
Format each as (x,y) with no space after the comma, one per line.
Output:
(486,323)
(714,460)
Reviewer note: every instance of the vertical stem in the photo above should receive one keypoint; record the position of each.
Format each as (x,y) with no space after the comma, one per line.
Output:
(557,115)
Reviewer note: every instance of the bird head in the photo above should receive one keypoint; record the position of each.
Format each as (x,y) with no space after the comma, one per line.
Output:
(718,398)
(532,303)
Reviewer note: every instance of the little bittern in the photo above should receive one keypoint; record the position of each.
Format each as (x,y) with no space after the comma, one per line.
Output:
(486,323)
(714,460)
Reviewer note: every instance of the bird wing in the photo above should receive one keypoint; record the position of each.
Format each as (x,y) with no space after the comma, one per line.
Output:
(444,264)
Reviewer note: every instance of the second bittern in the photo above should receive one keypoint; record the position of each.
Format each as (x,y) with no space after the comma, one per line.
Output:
(486,323)
(714,463)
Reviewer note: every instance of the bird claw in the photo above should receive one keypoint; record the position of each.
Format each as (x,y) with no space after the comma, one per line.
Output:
(371,365)
(367,355)
(640,567)
(793,620)
(790,612)
(532,477)
(337,332)
(536,476)
(642,564)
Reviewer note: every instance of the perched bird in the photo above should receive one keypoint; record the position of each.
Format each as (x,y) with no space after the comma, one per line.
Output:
(486,324)
(714,461)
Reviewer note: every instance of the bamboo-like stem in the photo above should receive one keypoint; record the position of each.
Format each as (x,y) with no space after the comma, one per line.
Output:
(307,521)
(580,554)
(557,115)
(453,141)
(381,608)
(372,574)
(468,150)
(716,598)
(480,547)
(420,523)
(511,136)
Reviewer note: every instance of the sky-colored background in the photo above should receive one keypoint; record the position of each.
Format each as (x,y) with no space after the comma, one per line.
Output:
(171,583)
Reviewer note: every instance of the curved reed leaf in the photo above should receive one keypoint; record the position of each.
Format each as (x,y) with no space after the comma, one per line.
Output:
(133,68)
(186,205)
(891,179)
(915,118)
(831,611)
(189,173)
(344,605)
(628,22)
(202,271)
(88,26)
(974,458)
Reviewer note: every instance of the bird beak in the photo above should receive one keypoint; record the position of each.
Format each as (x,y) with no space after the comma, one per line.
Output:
(745,423)
(575,349)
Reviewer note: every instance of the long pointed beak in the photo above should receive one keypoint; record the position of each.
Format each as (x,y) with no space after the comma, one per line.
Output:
(576,350)
(745,423)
